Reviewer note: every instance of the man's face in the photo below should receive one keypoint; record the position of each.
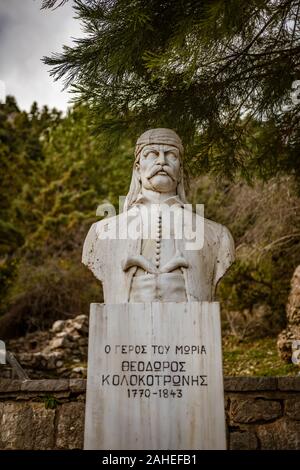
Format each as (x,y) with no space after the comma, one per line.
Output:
(159,167)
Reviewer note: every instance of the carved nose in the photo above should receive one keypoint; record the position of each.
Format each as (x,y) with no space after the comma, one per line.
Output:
(161,158)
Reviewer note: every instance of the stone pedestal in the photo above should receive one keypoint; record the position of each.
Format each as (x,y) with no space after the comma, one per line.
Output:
(155,377)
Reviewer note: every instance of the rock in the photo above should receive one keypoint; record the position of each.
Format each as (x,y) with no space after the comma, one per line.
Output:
(292,331)
(45,385)
(77,385)
(250,411)
(280,435)
(14,424)
(54,351)
(58,326)
(82,319)
(26,427)
(80,370)
(42,427)
(293,306)
(10,385)
(289,383)
(292,408)
(53,359)
(79,323)
(243,440)
(58,343)
(284,346)
(70,426)
(61,334)
(245,384)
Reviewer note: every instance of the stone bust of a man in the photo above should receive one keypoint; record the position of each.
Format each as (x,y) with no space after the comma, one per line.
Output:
(158,263)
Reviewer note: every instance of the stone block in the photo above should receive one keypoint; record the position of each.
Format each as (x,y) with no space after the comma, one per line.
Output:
(251,411)
(42,428)
(70,426)
(243,440)
(26,426)
(45,385)
(280,435)
(8,385)
(292,408)
(289,383)
(15,424)
(248,384)
(78,385)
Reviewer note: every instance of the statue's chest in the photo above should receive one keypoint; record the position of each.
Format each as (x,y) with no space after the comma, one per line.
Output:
(158,243)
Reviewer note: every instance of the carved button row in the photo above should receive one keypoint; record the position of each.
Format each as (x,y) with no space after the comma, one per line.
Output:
(158,239)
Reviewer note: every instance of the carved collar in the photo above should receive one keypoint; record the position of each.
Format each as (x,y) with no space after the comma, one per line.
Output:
(170,201)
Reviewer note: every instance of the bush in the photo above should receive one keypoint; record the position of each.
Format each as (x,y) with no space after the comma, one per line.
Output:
(265,222)
(56,289)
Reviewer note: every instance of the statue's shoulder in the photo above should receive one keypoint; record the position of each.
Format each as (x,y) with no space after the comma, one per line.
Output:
(212,230)
(92,247)
(219,238)
(107,226)
(213,226)
(218,232)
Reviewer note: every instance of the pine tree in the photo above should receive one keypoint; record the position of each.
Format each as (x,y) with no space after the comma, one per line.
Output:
(219,72)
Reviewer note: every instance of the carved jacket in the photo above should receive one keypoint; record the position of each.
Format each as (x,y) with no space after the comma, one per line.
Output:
(114,241)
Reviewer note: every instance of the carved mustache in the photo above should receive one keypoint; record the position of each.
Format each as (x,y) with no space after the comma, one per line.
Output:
(157,168)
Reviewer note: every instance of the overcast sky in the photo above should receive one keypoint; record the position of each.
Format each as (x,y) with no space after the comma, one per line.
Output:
(26,35)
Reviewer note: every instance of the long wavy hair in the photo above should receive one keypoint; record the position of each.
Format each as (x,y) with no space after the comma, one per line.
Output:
(136,187)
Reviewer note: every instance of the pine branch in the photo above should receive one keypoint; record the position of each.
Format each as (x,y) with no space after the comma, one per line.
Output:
(52,3)
(193,66)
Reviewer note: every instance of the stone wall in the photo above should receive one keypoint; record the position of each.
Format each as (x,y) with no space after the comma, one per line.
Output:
(261,412)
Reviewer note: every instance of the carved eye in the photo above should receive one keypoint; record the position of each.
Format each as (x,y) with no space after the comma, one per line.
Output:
(151,154)
(172,155)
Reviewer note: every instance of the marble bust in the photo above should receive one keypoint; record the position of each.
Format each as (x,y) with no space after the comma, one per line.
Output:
(155,260)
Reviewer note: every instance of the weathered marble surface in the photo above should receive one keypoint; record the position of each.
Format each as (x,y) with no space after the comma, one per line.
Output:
(178,253)
(116,421)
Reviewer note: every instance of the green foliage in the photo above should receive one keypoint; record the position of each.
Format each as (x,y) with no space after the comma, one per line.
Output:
(8,271)
(78,174)
(51,402)
(265,221)
(219,72)
(22,136)
(52,200)
(56,174)
(56,288)
(251,284)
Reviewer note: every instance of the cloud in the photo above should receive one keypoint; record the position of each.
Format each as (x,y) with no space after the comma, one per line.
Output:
(26,35)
